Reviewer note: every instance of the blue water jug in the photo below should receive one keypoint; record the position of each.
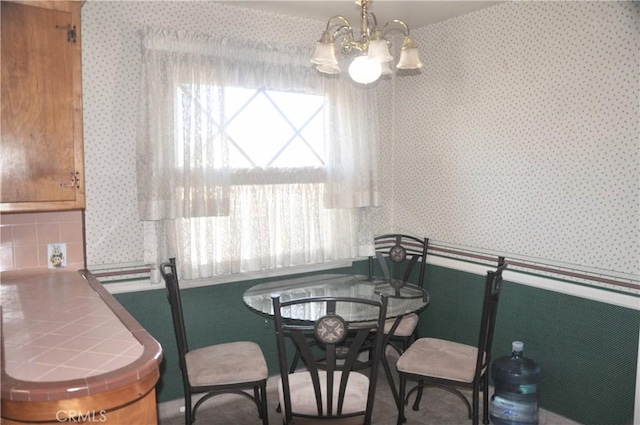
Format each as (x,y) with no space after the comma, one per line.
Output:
(516,397)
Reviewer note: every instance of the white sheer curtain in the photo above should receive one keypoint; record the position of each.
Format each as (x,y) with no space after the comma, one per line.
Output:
(217,219)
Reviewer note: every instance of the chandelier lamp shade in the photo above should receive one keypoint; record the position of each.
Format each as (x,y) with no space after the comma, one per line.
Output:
(372,56)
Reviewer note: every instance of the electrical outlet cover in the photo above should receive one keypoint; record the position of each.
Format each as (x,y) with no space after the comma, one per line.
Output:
(57,255)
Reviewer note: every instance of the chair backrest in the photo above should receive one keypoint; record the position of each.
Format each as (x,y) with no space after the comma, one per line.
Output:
(329,348)
(169,273)
(402,252)
(492,287)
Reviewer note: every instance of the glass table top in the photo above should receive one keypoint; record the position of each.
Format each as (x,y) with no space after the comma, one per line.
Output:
(404,297)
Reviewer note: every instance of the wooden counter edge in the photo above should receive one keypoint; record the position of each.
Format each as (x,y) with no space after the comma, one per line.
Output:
(135,401)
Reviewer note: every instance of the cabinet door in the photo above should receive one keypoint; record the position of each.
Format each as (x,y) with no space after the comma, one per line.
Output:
(40,107)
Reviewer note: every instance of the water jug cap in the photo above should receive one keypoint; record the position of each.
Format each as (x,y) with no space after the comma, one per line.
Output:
(517,346)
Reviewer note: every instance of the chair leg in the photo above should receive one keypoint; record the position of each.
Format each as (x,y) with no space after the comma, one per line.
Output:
(292,369)
(414,337)
(416,404)
(401,395)
(476,402)
(485,399)
(188,414)
(258,399)
(387,372)
(263,403)
(294,362)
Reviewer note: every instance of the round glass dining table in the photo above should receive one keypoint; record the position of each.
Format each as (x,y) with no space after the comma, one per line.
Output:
(404,297)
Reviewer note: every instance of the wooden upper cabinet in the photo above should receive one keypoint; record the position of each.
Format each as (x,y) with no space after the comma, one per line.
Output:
(41,152)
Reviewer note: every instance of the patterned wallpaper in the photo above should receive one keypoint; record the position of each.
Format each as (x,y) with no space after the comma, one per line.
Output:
(520,135)
(111,66)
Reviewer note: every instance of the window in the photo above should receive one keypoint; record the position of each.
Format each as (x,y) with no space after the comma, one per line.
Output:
(266,129)
(248,159)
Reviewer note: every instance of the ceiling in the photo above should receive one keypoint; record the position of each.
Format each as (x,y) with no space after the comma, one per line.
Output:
(415,13)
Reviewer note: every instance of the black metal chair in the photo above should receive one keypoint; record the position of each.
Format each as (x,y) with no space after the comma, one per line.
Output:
(396,257)
(235,367)
(331,385)
(450,365)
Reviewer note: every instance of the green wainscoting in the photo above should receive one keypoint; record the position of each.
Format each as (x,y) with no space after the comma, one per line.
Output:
(587,350)
(213,314)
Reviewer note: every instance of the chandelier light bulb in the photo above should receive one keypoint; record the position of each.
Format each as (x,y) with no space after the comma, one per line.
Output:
(365,70)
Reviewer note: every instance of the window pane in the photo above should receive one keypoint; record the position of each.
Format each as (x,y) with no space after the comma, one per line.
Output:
(313,134)
(265,129)
(297,154)
(260,131)
(235,99)
(297,107)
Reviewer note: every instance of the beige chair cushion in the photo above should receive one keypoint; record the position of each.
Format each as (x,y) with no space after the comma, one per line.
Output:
(439,358)
(303,399)
(406,327)
(228,363)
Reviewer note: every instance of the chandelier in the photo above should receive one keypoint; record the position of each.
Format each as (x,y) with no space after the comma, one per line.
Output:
(373,58)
